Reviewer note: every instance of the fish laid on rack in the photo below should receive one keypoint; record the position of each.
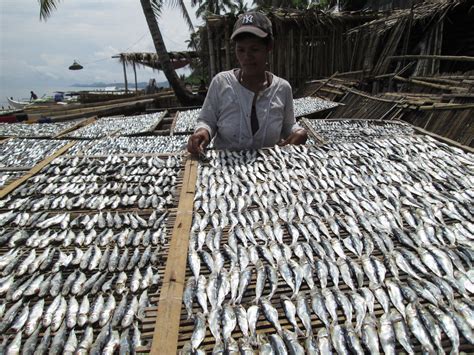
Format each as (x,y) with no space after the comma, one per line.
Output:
(131,145)
(46,130)
(123,126)
(363,246)
(341,130)
(21,153)
(78,282)
(308,105)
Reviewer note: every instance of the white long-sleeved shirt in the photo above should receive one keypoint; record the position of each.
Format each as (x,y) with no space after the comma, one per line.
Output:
(227,108)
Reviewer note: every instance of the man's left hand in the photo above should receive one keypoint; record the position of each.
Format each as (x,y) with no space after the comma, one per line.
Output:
(298,137)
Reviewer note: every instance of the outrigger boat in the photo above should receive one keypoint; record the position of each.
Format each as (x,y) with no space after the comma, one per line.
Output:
(17,104)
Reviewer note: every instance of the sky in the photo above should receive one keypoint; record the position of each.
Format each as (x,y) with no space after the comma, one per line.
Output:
(37,54)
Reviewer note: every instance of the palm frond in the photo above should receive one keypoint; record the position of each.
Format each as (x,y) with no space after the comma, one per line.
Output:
(157,6)
(184,11)
(47,7)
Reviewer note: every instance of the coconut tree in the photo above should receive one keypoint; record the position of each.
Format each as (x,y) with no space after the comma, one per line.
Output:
(151,10)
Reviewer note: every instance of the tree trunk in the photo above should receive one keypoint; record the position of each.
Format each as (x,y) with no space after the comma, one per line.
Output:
(227,46)
(183,96)
(212,58)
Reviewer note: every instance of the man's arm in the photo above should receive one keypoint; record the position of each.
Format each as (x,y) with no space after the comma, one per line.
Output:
(206,123)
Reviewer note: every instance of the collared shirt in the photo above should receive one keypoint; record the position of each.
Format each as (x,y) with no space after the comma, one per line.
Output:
(227,109)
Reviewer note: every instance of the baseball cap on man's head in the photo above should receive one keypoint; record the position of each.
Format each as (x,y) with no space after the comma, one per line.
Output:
(255,23)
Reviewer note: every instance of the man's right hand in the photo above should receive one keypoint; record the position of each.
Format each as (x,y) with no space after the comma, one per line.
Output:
(198,141)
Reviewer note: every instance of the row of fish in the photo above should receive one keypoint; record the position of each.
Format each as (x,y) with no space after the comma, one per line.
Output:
(308,105)
(120,126)
(86,222)
(18,263)
(77,283)
(69,342)
(115,162)
(131,145)
(21,153)
(119,170)
(96,201)
(358,130)
(123,238)
(111,187)
(44,130)
(104,308)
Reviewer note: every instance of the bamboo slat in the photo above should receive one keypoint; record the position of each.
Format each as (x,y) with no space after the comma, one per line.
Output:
(434,57)
(165,337)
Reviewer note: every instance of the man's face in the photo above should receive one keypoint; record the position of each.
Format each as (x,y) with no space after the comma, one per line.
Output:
(252,54)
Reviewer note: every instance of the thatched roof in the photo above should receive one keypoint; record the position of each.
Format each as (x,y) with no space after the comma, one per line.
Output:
(178,59)
(424,11)
(305,17)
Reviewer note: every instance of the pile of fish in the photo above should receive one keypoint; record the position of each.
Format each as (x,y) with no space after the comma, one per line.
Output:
(88,183)
(348,247)
(186,120)
(7,176)
(72,282)
(24,130)
(131,145)
(308,105)
(19,152)
(358,130)
(118,126)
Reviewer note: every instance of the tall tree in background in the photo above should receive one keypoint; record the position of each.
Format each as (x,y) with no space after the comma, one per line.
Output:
(151,10)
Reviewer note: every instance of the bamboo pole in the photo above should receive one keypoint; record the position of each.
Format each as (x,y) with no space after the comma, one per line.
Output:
(434,57)
(430,85)
(323,84)
(165,337)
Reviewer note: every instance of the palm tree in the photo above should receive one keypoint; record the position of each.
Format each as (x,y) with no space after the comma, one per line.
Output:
(151,10)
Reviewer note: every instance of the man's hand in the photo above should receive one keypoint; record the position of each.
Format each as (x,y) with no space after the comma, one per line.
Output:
(198,141)
(298,137)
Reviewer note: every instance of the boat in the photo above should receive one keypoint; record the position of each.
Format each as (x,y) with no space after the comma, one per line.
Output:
(17,104)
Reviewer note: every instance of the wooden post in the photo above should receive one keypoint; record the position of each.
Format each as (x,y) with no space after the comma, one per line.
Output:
(135,73)
(210,43)
(165,337)
(227,45)
(125,75)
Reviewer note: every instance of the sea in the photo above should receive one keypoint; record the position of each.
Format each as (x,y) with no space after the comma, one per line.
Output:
(23,94)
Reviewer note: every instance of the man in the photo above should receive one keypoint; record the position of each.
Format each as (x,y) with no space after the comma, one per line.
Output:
(248,108)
